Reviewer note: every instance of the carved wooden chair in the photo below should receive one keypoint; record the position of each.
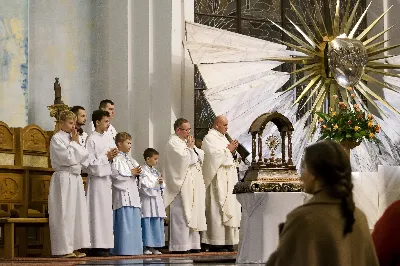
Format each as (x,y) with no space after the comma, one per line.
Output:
(34,157)
(11,178)
(7,145)
(34,147)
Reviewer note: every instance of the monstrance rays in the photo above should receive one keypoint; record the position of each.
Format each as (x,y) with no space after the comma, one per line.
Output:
(318,65)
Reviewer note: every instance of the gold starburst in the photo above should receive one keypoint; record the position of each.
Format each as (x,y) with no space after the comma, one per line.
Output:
(317,73)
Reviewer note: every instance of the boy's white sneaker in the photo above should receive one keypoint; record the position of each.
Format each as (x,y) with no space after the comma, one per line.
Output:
(155,251)
(147,252)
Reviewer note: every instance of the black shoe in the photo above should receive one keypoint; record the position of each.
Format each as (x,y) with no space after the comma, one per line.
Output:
(181,252)
(93,252)
(205,248)
(195,251)
(98,252)
(218,248)
(229,248)
(104,252)
(90,252)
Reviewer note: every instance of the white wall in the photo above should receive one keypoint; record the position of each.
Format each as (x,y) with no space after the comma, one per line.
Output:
(14,91)
(129,51)
(85,44)
(59,46)
(160,77)
(109,58)
(376,9)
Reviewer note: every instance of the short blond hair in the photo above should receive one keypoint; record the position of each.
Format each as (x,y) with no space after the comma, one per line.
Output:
(66,115)
(121,137)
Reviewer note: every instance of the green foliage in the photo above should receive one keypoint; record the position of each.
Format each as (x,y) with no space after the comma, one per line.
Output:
(347,123)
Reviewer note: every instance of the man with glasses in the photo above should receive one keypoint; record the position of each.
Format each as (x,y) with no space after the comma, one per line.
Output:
(184,190)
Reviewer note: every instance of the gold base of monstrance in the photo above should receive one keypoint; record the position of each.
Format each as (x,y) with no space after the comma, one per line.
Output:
(270,174)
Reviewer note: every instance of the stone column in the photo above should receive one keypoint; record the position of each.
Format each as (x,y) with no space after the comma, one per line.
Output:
(188,68)
(140,47)
(283,147)
(260,147)
(160,78)
(253,147)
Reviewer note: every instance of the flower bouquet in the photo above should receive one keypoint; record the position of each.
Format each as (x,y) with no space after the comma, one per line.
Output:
(348,125)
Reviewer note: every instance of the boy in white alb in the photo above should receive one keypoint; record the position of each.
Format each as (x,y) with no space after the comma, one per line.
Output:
(107,105)
(68,215)
(126,201)
(102,151)
(151,186)
(80,113)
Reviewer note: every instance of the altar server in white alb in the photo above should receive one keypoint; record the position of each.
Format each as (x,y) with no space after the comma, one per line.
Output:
(107,105)
(102,151)
(80,113)
(151,186)
(220,176)
(186,201)
(68,214)
(126,201)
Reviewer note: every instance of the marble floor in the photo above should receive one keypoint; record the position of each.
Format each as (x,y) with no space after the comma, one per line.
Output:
(208,258)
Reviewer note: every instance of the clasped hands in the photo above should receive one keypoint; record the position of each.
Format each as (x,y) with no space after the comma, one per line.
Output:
(75,135)
(112,153)
(136,171)
(190,142)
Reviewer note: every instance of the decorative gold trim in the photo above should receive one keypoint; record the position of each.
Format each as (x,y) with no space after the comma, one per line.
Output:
(55,111)
(259,186)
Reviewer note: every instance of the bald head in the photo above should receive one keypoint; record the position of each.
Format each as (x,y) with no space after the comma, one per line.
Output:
(221,124)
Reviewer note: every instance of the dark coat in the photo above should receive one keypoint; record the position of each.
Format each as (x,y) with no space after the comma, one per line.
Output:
(386,236)
(313,236)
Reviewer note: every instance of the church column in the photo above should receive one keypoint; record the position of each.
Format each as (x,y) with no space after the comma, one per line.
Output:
(108,62)
(158,90)
(389,20)
(188,69)
(168,66)
(139,75)
(118,63)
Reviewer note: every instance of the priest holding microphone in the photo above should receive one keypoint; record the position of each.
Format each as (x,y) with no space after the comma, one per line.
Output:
(220,176)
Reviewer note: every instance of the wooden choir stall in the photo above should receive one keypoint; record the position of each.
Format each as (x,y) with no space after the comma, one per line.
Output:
(25,172)
(24,186)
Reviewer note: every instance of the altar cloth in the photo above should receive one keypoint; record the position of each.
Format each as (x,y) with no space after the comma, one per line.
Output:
(262,212)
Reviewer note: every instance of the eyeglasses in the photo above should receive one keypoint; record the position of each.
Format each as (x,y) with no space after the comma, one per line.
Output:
(187,130)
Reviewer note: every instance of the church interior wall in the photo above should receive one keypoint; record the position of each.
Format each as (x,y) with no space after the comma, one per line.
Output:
(14,62)
(128,51)
(59,46)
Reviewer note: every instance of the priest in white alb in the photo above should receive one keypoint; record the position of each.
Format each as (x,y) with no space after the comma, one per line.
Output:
(223,211)
(184,191)
(68,214)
